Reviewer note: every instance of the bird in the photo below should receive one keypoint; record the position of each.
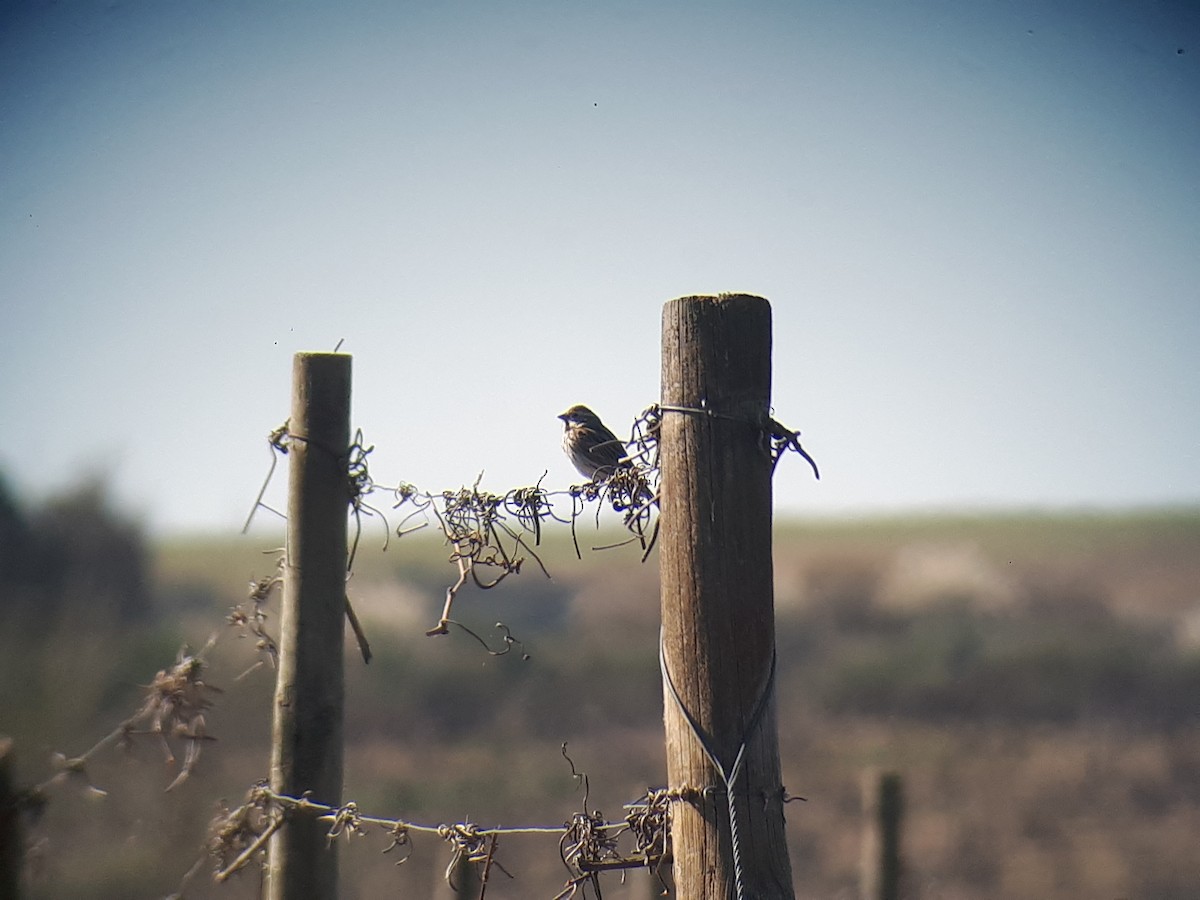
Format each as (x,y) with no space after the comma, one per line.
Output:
(594,450)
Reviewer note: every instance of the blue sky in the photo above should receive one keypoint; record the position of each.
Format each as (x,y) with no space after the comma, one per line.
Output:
(978,225)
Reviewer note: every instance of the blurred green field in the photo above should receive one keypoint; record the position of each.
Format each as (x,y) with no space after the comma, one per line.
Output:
(1034,677)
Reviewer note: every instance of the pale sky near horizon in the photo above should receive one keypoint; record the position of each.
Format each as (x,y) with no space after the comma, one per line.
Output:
(978,225)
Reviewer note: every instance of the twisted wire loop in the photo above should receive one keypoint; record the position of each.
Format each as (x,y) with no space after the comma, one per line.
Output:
(648,819)
(584,848)
(252,618)
(358,486)
(729,774)
(400,838)
(777,438)
(487,533)
(278,442)
(346,821)
(236,836)
(783,439)
(469,843)
(590,845)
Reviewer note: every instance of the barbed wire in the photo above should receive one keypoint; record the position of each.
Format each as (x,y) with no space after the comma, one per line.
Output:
(174,707)
(589,844)
(492,534)
(490,537)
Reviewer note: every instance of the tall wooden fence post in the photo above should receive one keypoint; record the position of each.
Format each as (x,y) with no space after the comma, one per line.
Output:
(306,753)
(883,812)
(718,640)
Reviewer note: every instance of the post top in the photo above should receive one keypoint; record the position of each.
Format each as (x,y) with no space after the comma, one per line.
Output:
(725,299)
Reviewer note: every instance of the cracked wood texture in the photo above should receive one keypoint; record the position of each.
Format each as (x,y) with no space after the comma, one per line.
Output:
(717,593)
(306,751)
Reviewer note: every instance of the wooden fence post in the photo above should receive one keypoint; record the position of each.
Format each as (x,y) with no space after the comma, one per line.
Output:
(10,826)
(718,620)
(306,752)
(883,812)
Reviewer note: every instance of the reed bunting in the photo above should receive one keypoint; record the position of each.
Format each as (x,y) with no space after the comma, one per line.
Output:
(593,449)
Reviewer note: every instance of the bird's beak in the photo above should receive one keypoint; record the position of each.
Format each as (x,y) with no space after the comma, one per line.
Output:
(563,416)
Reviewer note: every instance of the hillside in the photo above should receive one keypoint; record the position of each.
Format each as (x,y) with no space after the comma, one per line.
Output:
(1032,677)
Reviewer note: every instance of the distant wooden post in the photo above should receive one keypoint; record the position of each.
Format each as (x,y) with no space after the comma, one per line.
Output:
(306,753)
(717,596)
(883,811)
(10,826)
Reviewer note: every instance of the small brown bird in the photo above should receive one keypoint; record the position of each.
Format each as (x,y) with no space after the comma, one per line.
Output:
(593,449)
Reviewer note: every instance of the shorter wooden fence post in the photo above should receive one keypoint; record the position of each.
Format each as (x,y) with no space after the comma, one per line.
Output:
(306,749)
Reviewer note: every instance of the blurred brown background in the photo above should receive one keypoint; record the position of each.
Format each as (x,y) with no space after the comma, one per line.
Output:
(1035,679)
